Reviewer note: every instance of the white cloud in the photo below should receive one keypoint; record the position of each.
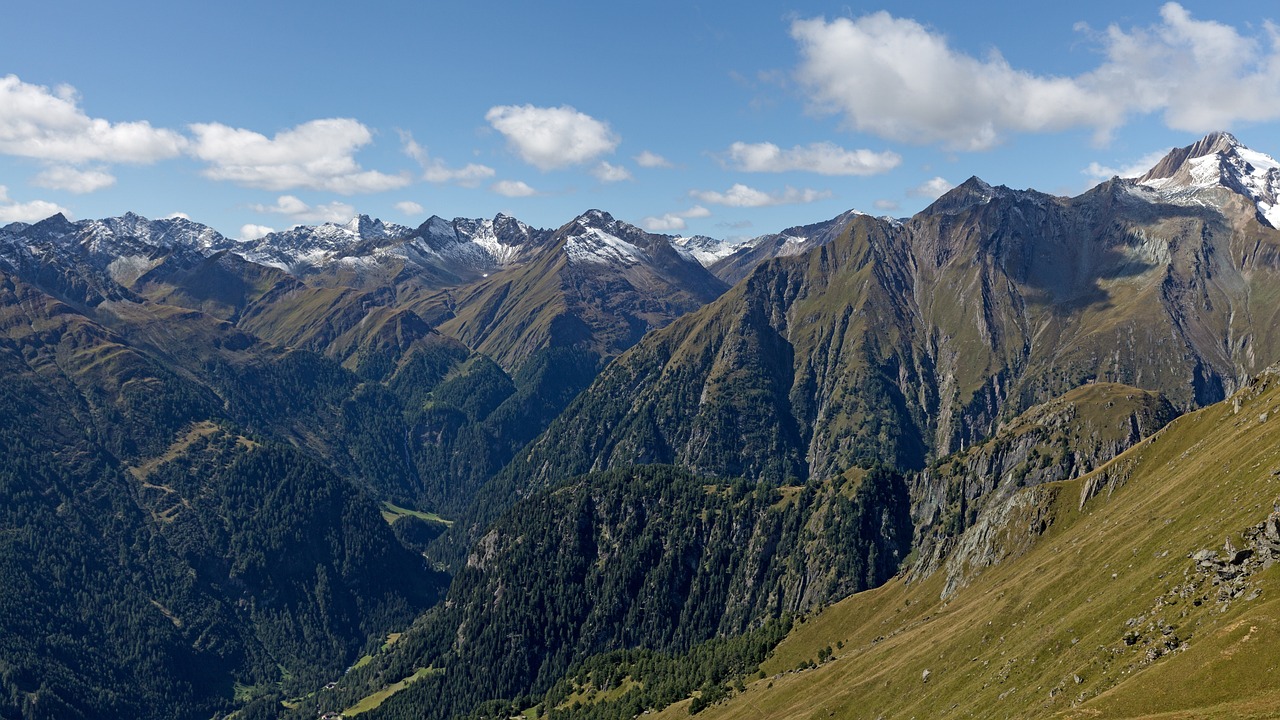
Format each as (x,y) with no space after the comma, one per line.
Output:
(436,171)
(823,158)
(177,215)
(513,188)
(318,155)
(64,177)
(663,223)
(409,207)
(299,211)
(36,122)
(933,188)
(673,221)
(551,138)
(469,175)
(1098,171)
(1201,74)
(610,173)
(895,78)
(27,212)
(742,196)
(648,159)
(253,232)
(898,79)
(887,205)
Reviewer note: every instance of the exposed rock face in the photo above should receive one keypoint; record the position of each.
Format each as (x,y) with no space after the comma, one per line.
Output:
(1218,578)
(1062,439)
(1005,530)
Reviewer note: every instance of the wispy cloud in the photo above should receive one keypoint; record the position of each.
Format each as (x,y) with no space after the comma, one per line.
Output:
(434,170)
(1098,171)
(71,179)
(409,208)
(932,188)
(740,195)
(609,173)
(301,212)
(648,159)
(671,222)
(823,158)
(250,231)
(513,188)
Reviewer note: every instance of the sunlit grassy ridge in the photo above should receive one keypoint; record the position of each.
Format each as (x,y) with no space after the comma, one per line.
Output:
(1043,634)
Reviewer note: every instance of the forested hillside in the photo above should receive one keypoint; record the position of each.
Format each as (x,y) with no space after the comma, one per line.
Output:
(647,557)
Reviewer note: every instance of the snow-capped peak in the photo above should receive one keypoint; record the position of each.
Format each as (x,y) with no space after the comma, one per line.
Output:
(166,232)
(309,246)
(596,237)
(1218,160)
(707,250)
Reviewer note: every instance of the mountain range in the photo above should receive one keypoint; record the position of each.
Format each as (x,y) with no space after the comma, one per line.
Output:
(502,469)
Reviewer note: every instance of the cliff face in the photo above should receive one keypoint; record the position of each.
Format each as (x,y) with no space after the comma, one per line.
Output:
(960,497)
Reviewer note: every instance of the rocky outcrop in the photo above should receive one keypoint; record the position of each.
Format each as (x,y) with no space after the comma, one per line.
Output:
(1007,529)
(1059,440)
(1217,578)
(1227,575)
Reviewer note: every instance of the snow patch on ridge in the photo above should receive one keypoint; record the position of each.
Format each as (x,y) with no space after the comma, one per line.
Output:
(1227,164)
(791,245)
(594,245)
(708,250)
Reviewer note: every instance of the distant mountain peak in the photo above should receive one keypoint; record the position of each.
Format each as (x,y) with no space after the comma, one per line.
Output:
(974,191)
(595,219)
(1171,164)
(596,237)
(56,222)
(707,250)
(1219,160)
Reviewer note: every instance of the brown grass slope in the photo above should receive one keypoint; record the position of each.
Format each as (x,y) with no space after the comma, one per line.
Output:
(1109,598)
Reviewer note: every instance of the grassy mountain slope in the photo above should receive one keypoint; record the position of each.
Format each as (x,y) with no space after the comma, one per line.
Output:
(895,342)
(561,298)
(1110,598)
(221,285)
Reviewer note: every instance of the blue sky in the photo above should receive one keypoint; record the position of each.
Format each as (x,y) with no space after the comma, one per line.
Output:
(712,118)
